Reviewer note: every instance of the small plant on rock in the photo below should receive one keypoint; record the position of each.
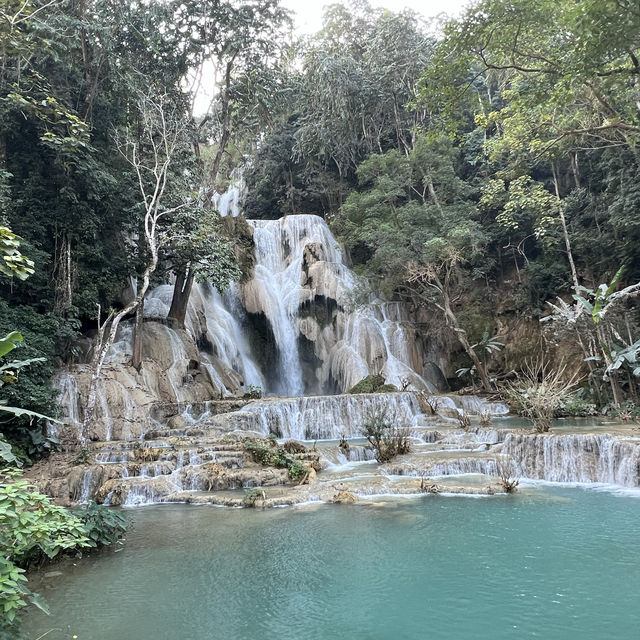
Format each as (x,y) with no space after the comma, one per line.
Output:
(428,403)
(293,446)
(507,475)
(540,391)
(251,496)
(486,419)
(464,421)
(387,441)
(84,456)
(373,384)
(252,393)
(269,454)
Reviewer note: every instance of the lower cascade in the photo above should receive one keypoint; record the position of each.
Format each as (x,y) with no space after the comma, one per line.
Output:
(204,452)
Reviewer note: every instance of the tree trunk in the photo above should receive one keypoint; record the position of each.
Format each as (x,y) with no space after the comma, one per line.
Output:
(613,379)
(62,275)
(181,294)
(565,231)
(226,122)
(461,334)
(137,337)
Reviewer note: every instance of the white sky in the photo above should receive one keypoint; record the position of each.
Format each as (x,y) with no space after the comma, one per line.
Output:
(309,12)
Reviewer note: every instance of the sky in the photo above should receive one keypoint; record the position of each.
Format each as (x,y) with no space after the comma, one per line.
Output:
(308,17)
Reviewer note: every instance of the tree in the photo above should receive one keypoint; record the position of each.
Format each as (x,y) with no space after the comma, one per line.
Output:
(14,263)
(570,69)
(150,152)
(413,228)
(603,330)
(198,250)
(359,76)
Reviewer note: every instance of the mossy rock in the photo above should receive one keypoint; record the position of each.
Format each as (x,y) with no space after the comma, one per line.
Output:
(387,388)
(370,384)
(293,446)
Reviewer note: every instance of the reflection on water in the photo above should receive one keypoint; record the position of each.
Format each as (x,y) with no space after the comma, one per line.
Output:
(552,563)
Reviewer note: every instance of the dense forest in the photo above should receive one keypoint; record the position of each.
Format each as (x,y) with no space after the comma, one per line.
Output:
(484,171)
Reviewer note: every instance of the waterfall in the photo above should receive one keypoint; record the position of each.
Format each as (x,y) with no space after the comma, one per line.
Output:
(106,412)
(576,457)
(223,314)
(69,399)
(276,289)
(327,417)
(229,202)
(305,290)
(292,329)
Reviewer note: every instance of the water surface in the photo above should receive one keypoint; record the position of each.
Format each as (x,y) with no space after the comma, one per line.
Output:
(547,563)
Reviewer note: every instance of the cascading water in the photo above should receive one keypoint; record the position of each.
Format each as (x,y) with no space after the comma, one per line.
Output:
(322,417)
(276,288)
(292,329)
(69,401)
(576,457)
(305,290)
(229,202)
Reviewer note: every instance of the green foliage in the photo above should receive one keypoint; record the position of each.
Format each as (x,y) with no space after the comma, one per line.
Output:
(410,209)
(251,496)
(197,240)
(270,454)
(370,384)
(13,263)
(103,526)
(566,68)
(83,456)
(387,388)
(33,531)
(28,390)
(387,440)
(574,406)
(31,528)
(252,392)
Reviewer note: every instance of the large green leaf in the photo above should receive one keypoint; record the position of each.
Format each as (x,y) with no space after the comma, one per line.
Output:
(8,343)
(37,600)
(16,411)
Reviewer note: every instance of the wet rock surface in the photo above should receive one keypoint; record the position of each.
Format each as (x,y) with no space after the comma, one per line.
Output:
(209,461)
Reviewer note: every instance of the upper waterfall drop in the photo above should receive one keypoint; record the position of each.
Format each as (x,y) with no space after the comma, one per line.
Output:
(325,343)
(277,288)
(229,203)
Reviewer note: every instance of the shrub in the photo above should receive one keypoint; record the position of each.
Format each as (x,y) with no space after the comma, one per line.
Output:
(370,384)
(387,441)
(252,393)
(251,496)
(293,446)
(31,389)
(464,421)
(506,472)
(486,419)
(103,526)
(540,391)
(33,531)
(84,456)
(271,455)
(576,407)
